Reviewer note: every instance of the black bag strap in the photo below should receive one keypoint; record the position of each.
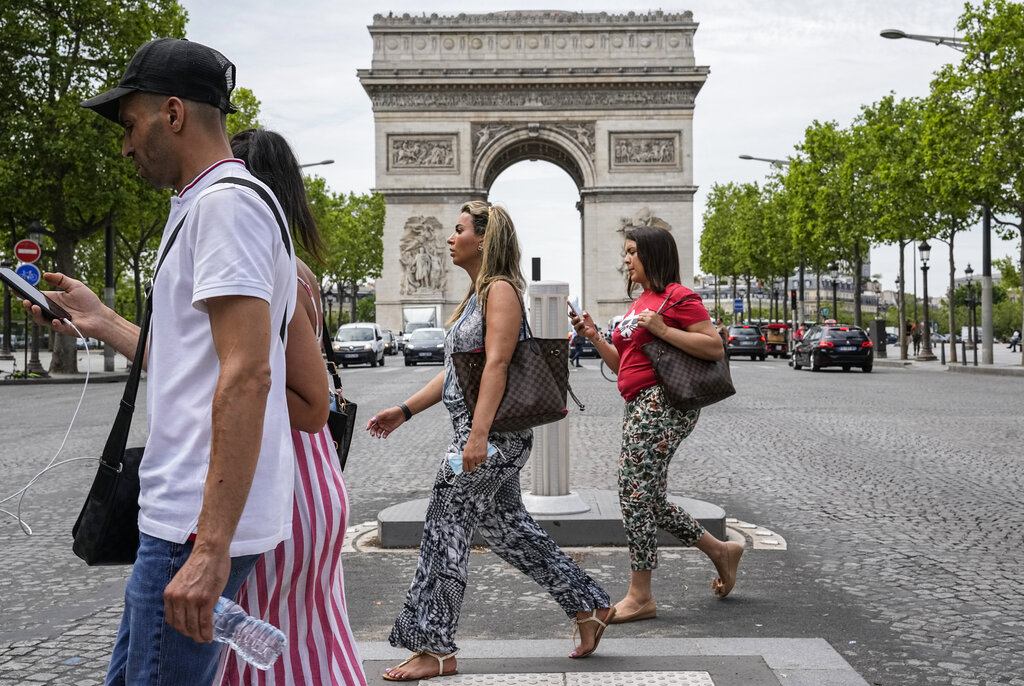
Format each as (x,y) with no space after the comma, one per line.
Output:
(332,366)
(113,449)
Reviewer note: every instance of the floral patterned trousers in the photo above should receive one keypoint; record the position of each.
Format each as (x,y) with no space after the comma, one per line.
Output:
(651,432)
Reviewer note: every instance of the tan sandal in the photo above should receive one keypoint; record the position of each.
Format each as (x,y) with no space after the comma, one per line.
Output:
(600,630)
(440,667)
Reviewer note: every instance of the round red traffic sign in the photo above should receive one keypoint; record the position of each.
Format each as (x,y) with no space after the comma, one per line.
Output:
(27,250)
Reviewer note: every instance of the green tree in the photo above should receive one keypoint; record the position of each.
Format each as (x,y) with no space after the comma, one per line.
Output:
(990,84)
(59,163)
(352,229)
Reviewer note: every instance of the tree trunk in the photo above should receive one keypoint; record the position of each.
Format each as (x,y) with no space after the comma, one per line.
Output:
(65,353)
(1020,266)
(952,291)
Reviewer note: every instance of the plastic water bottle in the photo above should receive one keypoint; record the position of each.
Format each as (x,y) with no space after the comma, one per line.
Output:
(257,642)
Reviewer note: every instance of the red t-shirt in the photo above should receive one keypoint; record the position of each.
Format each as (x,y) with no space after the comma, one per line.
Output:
(635,370)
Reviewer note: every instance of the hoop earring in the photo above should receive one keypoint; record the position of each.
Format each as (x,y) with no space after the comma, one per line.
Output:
(479,248)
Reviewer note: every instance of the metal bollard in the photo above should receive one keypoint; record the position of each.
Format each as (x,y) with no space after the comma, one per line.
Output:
(942,352)
(963,352)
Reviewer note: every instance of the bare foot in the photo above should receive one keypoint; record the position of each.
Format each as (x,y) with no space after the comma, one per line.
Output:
(591,625)
(422,666)
(726,565)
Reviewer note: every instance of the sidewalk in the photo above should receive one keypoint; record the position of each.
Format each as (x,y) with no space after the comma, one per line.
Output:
(91,364)
(1004,362)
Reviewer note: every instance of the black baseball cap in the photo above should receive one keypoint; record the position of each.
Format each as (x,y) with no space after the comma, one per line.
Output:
(172,66)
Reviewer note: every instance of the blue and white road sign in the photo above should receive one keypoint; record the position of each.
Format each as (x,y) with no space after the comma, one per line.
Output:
(737,305)
(30,273)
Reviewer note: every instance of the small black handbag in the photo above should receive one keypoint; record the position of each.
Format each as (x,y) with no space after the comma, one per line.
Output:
(342,421)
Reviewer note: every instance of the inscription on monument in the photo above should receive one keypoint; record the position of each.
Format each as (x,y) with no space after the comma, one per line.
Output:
(422,258)
(423,152)
(638,150)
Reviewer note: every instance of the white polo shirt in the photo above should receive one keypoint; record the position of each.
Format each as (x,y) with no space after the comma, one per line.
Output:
(230,244)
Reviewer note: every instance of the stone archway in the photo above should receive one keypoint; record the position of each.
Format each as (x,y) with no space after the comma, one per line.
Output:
(457,100)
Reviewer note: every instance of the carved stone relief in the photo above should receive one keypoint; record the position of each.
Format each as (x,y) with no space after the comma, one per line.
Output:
(422,256)
(387,100)
(644,217)
(630,151)
(422,152)
(582,133)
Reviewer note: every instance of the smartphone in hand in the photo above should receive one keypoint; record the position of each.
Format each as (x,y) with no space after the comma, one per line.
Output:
(27,291)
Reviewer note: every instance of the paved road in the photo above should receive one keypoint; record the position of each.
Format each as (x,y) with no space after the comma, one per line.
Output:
(898,493)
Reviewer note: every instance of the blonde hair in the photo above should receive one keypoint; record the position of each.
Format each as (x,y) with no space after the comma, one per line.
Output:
(501,254)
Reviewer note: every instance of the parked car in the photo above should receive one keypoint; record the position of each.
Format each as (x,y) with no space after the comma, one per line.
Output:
(834,345)
(745,339)
(390,343)
(424,345)
(359,343)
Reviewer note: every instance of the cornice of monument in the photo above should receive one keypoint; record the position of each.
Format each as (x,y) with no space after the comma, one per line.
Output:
(677,94)
(529,19)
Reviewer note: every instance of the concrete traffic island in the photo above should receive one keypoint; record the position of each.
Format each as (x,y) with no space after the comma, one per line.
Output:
(401,525)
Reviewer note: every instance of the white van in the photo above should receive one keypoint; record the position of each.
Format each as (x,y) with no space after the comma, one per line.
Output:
(359,343)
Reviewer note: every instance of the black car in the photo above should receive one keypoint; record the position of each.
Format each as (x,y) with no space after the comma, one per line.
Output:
(424,345)
(745,339)
(834,345)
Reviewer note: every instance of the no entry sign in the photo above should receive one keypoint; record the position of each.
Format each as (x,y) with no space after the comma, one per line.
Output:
(27,250)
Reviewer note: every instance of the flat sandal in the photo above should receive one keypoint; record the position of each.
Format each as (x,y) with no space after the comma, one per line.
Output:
(440,666)
(600,631)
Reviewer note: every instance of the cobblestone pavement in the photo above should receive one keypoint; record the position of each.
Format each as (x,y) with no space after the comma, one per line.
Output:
(898,494)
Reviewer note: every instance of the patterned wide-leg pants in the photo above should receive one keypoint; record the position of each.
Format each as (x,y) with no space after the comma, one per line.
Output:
(652,431)
(488,499)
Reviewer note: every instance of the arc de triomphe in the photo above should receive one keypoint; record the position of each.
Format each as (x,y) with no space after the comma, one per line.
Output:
(457,100)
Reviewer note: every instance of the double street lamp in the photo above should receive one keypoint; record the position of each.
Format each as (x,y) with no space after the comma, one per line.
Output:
(926,338)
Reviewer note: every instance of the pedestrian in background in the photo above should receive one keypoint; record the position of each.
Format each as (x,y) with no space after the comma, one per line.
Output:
(1014,341)
(915,336)
(216,480)
(653,429)
(481,491)
(576,345)
(299,586)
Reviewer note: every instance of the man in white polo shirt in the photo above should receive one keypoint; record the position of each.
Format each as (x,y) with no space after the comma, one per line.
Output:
(216,479)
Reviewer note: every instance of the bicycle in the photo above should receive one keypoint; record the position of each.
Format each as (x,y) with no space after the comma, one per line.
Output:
(607,372)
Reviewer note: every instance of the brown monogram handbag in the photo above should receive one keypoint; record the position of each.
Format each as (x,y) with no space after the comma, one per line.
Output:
(538,379)
(689,382)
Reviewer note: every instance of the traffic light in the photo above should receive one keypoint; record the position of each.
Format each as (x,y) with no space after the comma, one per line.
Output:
(792,299)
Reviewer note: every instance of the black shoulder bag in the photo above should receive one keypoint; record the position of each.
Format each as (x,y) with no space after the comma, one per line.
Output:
(342,421)
(107,529)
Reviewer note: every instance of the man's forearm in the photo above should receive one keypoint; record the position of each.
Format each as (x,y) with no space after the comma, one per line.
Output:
(239,405)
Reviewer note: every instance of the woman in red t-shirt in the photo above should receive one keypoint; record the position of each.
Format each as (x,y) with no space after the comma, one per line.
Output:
(652,428)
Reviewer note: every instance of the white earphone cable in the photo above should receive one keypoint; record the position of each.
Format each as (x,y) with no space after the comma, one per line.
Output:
(20,494)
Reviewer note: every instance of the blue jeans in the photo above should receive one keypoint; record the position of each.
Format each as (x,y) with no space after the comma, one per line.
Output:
(148,650)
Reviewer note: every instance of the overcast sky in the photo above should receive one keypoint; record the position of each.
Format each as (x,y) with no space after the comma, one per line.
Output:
(775,67)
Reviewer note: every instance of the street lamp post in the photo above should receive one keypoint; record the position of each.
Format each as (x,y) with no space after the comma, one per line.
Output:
(972,324)
(316,164)
(986,213)
(833,270)
(926,338)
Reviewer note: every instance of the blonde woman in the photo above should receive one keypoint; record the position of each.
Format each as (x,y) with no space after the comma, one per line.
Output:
(482,493)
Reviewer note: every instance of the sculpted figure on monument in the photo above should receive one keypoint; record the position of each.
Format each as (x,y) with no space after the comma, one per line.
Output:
(416,152)
(422,259)
(643,217)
